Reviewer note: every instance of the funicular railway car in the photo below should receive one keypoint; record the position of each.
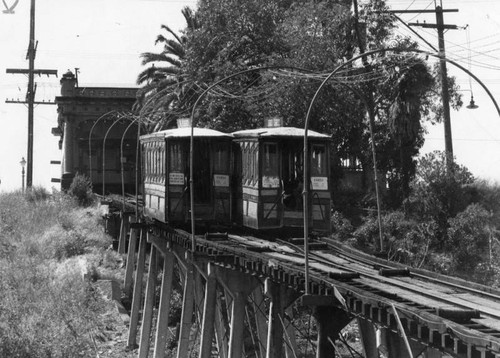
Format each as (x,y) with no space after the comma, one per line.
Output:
(269,172)
(166,157)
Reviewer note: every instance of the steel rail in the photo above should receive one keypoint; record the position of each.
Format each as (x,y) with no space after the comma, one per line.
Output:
(405,284)
(416,273)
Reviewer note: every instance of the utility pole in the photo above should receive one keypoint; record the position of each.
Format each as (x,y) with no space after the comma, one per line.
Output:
(370,105)
(445,95)
(30,95)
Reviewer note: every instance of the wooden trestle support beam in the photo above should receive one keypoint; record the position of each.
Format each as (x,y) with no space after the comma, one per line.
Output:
(228,305)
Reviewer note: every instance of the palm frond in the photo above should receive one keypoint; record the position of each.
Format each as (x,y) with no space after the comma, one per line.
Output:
(191,18)
(174,48)
(170,31)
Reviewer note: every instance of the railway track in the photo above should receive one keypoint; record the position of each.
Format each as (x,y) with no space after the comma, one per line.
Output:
(457,316)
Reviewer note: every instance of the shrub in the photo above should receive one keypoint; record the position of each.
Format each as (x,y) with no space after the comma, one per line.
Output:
(468,239)
(81,190)
(341,226)
(405,240)
(438,194)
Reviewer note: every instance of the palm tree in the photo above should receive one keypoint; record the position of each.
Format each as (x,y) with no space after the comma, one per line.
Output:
(166,91)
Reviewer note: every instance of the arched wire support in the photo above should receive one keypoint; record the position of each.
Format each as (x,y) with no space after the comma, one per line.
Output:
(306,127)
(369,111)
(191,144)
(90,140)
(122,169)
(104,154)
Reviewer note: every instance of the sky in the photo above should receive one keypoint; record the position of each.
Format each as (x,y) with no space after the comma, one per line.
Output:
(103,38)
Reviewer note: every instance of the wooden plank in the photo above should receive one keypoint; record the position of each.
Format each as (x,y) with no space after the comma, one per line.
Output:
(137,292)
(147,316)
(164,308)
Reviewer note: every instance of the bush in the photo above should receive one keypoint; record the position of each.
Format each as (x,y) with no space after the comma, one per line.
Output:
(438,194)
(468,239)
(81,190)
(405,240)
(341,226)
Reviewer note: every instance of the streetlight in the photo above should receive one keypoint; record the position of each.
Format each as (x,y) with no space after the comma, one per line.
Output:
(472,104)
(23,164)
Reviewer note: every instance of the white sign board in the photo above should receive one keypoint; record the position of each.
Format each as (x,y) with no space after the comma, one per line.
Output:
(270,182)
(176,179)
(319,183)
(221,180)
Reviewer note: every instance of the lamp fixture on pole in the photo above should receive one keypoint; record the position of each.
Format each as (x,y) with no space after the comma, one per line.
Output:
(472,104)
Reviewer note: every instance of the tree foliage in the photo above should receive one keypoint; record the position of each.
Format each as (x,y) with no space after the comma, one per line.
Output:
(224,37)
(468,238)
(167,92)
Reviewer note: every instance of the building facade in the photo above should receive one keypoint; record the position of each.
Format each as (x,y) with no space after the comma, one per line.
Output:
(98,135)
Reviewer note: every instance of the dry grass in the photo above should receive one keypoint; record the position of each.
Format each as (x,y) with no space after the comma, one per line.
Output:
(47,309)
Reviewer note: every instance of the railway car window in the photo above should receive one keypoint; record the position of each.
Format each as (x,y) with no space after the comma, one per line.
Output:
(318,160)
(244,162)
(270,159)
(255,165)
(270,166)
(221,158)
(154,161)
(175,158)
(150,169)
(162,162)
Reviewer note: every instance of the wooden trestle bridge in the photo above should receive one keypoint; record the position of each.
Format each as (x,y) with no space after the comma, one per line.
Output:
(243,297)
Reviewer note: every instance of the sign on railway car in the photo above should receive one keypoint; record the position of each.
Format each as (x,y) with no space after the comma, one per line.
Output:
(176,179)
(221,180)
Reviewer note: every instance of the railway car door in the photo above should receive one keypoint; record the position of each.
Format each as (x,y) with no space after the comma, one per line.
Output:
(201,178)
(320,191)
(292,177)
(177,180)
(221,181)
(270,193)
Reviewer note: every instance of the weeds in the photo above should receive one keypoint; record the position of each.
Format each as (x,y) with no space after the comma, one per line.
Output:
(46,308)
(81,190)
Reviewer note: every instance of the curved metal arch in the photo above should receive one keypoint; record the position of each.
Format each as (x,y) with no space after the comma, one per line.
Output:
(122,170)
(191,143)
(90,142)
(104,154)
(308,115)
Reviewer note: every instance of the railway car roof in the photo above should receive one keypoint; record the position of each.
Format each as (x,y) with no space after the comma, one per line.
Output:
(278,132)
(186,133)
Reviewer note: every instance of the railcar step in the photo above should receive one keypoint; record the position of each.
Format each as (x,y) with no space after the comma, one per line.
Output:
(258,248)
(317,246)
(458,314)
(394,272)
(138,225)
(216,236)
(343,276)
